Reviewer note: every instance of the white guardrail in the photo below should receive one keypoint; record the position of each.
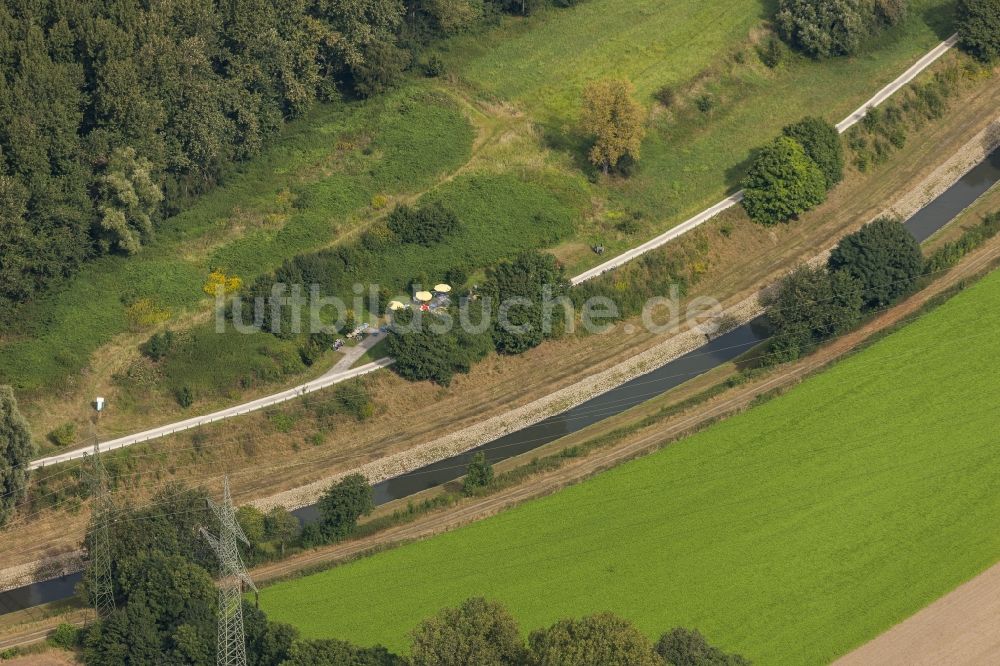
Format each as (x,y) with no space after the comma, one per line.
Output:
(620,260)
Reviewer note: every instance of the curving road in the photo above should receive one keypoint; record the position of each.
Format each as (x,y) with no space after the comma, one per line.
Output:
(334,377)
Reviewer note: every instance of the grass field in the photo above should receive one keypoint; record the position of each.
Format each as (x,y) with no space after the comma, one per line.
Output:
(790,533)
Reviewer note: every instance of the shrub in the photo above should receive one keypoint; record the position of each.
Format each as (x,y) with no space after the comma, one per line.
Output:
(825,28)
(65,636)
(64,435)
(782,183)
(683,647)
(666,96)
(158,346)
(978,24)
(822,144)
(478,475)
(434,66)
(883,256)
(425,226)
(343,504)
(184,396)
(598,639)
(771,52)
(478,632)
(381,69)
(705,103)
(812,305)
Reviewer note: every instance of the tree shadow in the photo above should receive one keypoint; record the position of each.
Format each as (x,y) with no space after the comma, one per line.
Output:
(734,174)
(572,143)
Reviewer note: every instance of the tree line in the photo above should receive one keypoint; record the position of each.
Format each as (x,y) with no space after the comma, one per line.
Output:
(115,115)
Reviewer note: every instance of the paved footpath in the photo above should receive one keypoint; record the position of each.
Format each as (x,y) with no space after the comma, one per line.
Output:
(336,376)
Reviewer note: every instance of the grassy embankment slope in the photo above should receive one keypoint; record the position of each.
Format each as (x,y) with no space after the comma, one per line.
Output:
(520,184)
(790,533)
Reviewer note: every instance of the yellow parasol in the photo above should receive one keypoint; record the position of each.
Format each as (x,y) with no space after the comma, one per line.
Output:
(423,296)
(442,288)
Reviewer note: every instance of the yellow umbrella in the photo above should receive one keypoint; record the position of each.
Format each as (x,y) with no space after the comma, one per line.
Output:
(423,296)
(396,305)
(442,288)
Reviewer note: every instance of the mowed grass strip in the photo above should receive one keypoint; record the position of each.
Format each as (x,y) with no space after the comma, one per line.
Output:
(790,533)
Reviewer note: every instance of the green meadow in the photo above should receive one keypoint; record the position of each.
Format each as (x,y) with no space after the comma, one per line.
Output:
(790,533)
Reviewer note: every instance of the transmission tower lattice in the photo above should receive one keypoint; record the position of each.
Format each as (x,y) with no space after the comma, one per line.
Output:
(103,591)
(231,647)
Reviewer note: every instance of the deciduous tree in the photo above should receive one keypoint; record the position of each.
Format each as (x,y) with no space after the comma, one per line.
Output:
(597,639)
(343,504)
(782,183)
(978,24)
(477,632)
(16,450)
(616,121)
(883,256)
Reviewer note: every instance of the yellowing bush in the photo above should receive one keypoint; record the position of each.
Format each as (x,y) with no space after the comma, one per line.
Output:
(218,280)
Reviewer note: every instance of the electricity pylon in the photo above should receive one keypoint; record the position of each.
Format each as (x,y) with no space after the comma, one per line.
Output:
(100,539)
(231,647)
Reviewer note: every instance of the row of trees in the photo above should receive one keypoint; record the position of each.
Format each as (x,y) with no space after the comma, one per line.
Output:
(868,270)
(113,115)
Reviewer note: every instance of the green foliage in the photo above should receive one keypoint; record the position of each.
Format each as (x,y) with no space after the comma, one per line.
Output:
(978,24)
(184,396)
(812,305)
(16,451)
(826,28)
(687,647)
(267,643)
(66,636)
(127,199)
(771,52)
(476,632)
(158,346)
(281,526)
(380,69)
(951,252)
(596,639)
(479,474)
(327,652)
(884,257)
(343,503)
(425,226)
(782,182)
(63,435)
(822,144)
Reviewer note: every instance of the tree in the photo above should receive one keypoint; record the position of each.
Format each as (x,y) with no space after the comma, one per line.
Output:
(343,503)
(479,474)
(251,520)
(615,120)
(978,24)
(884,257)
(822,144)
(596,640)
(127,199)
(782,183)
(812,305)
(326,652)
(477,632)
(16,451)
(420,353)
(381,69)
(683,647)
(281,526)
(268,643)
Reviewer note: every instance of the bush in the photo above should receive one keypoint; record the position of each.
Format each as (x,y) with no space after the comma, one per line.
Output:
(783,182)
(978,24)
(666,96)
(822,144)
(66,636)
(479,474)
(598,639)
(812,305)
(434,66)
(705,103)
(381,69)
(825,28)
(64,435)
(884,257)
(343,504)
(771,53)
(478,632)
(158,346)
(425,226)
(683,647)
(184,396)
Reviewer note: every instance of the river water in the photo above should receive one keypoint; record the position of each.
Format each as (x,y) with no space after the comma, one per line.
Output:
(721,350)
